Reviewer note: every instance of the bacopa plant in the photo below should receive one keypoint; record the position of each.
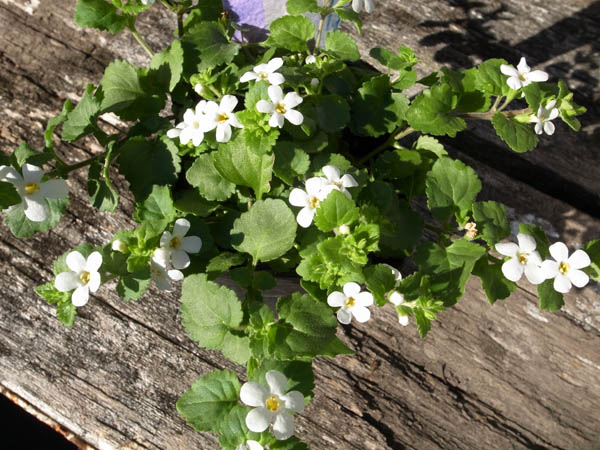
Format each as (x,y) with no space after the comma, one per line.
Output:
(253,159)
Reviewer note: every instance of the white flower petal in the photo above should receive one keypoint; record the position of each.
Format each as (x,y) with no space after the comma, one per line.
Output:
(294,117)
(578,277)
(32,174)
(298,197)
(535,258)
(314,185)
(513,269)
(186,135)
(165,239)
(253,445)
(274,64)
(549,128)
(537,76)
(360,313)
(223,132)
(76,262)
(507,249)
(534,274)
(364,299)
(248,76)
(228,103)
(80,296)
(189,116)
(275,94)
(276,120)
(579,259)
(197,137)
(180,259)
(253,394)
(234,121)
(344,316)
(559,251)
(291,100)
(283,427)
(305,217)
(191,244)
(181,227)
(10,175)
(66,281)
(539,128)
(549,269)
(94,261)
(509,70)
(265,106)
(403,320)
(276,79)
(522,66)
(258,419)
(527,242)
(294,401)
(351,289)
(332,173)
(36,208)
(276,381)
(562,284)
(54,188)
(94,282)
(175,275)
(514,83)
(396,298)
(336,299)
(348,181)
(210,109)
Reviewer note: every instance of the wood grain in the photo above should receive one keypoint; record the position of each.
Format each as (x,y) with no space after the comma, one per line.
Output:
(506,376)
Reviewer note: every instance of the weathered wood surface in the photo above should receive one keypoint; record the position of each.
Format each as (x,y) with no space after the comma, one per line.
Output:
(506,376)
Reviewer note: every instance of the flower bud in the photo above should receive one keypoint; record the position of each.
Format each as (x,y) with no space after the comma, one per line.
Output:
(200,89)
(342,229)
(120,246)
(314,83)
(310,59)
(471,228)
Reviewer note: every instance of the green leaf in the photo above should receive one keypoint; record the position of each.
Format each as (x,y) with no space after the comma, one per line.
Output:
(567,108)
(423,323)
(211,41)
(52,295)
(490,79)
(224,261)
(463,252)
(518,136)
(376,110)
(210,313)
(132,287)
(539,235)
(305,328)
(431,112)
(341,45)
(431,145)
(102,195)
(451,187)
(22,227)
(493,281)
(81,121)
(146,163)
(403,60)
(333,112)
(398,164)
(335,210)
(349,15)
(491,221)
(99,14)
(290,161)
(550,300)
(172,57)
(234,430)
(266,231)
(157,210)
(239,163)
(291,32)
(66,312)
(130,92)
(297,7)
(25,154)
(380,281)
(211,185)
(54,122)
(210,399)
(592,248)
(8,195)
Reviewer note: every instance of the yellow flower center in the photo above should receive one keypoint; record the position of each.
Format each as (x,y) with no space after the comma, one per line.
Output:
(263,75)
(196,124)
(280,108)
(175,242)
(155,271)
(84,277)
(272,403)
(350,302)
(32,188)
(313,202)
(222,118)
(523,257)
(564,267)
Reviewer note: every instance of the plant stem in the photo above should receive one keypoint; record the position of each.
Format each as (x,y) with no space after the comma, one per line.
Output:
(489,114)
(393,137)
(324,15)
(141,41)
(180,13)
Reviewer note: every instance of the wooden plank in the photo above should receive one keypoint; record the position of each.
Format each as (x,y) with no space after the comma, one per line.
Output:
(505,376)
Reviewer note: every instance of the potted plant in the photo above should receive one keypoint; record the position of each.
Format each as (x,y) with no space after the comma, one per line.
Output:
(256,159)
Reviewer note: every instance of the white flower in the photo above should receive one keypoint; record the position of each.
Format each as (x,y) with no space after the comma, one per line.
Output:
(523,259)
(176,246)
(147,2)
(314,83)
(272,406)
(395,297)
(250,445)
(160,274)
(342,229)
(84,277)
(281,107)
(266,72)
(352,302)
(522,75)
(316,191)
(119,246)
(310,59)
(32,191)
(543,118)
(565,269)
(193,127)
(332,174)
(222,117)
(358,5)
(200,89)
